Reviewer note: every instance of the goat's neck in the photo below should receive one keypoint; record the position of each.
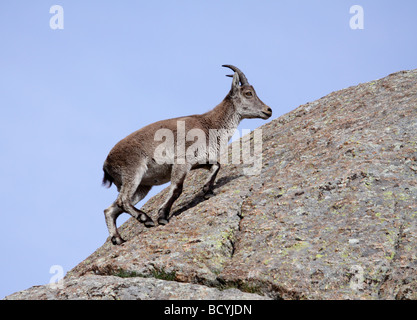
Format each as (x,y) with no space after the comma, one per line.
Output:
(224,116)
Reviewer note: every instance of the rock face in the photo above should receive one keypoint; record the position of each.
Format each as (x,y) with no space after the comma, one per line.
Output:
(133,288)
(332,215)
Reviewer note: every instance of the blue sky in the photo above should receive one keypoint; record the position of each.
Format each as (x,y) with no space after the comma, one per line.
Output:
(67,96)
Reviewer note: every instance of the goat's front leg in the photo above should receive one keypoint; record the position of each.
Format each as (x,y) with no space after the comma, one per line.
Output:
(178,174)
(208,186)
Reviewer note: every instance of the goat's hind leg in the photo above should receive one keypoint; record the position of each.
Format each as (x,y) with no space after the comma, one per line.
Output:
(111,214)
(127,197)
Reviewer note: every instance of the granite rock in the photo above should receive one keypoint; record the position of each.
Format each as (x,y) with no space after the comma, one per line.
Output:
(332,214)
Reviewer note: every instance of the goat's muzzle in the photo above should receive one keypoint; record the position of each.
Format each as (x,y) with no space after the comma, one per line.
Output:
(267,112)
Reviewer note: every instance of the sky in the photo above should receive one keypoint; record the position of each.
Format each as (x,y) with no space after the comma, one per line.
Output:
(67,96)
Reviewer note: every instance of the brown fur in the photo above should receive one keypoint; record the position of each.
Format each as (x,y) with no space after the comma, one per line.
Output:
(131,167)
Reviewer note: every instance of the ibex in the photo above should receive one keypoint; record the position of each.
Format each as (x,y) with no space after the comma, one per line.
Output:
(132,166)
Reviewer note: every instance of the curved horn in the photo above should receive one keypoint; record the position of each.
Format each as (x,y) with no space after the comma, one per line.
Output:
(242,77)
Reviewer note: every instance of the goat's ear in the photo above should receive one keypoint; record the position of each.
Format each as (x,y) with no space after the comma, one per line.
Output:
(235,83)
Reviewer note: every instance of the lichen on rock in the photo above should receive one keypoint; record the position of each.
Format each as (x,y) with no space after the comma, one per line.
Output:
(332,215)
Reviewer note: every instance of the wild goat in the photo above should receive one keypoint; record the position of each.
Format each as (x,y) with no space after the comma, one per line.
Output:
(133,167)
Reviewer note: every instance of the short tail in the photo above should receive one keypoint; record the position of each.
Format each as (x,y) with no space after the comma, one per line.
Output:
(107,179)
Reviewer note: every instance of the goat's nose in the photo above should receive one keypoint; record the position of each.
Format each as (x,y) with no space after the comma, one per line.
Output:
(268,110)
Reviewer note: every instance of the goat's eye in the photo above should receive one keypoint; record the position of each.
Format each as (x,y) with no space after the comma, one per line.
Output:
(248,94)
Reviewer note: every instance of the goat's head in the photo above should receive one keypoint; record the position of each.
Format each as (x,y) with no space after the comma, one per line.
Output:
(244,97)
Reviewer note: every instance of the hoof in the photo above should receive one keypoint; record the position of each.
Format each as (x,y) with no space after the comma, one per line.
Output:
(117,240)
(149,224)
(146,220)
(208,194)
(143,217)
(162,221)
